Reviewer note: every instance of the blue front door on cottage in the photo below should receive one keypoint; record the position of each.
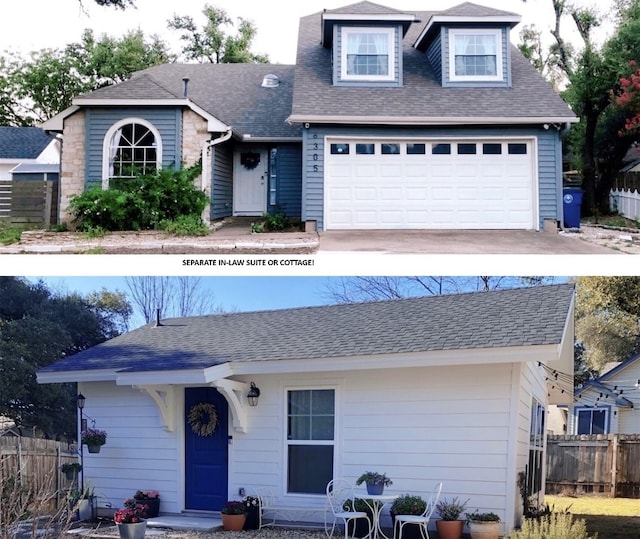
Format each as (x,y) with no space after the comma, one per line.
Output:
(206,454)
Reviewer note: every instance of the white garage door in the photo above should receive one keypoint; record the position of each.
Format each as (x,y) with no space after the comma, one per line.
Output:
(448,184)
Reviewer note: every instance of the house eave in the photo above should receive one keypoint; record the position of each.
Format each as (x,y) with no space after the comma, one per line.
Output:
(251,138)
(438,20)
(56,123)
(63,377)
(213,124)
(330,19)
(432,120)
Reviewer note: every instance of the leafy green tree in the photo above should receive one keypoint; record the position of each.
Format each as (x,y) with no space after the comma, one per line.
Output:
(120,4)
(38,327)
(607,319)
(38,86)
(212,43)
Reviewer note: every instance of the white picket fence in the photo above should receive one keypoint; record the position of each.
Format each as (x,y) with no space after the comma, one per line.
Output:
(625,202)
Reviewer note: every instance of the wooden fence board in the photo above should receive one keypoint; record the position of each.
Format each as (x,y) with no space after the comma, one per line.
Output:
(29,201)
(599,464)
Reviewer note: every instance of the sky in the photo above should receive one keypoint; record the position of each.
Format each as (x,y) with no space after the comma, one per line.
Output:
(37,24)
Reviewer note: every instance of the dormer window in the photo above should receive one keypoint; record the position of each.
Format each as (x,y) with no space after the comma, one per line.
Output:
(476,55)
(368,54)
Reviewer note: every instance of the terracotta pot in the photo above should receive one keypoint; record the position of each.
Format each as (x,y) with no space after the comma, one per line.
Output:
(484,530)
(233,523)
(134,530)
(449,529)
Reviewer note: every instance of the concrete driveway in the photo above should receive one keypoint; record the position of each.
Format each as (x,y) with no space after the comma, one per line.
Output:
(512,242)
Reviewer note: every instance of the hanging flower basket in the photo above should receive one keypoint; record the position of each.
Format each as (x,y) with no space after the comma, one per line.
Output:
(94,439)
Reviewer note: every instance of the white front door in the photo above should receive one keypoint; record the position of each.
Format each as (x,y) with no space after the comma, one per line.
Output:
(250,175)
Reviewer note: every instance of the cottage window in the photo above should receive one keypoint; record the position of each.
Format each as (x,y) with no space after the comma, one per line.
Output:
(536,450)
(131,147)
(592,421)
(475,55)
(368,54)
(310,438)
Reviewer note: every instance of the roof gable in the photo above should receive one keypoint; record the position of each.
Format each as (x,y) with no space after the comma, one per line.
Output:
(526,317)
(23,142)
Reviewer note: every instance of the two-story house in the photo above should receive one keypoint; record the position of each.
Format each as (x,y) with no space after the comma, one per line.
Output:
(388,120)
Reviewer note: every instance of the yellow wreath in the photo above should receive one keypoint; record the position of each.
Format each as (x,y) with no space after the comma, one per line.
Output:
(203,419)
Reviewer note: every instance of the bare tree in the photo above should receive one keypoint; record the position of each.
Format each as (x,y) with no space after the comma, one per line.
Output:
(360,289)
(170,296)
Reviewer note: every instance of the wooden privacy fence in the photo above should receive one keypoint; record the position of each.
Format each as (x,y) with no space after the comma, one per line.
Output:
(34,464)
(33,202)
(607,464)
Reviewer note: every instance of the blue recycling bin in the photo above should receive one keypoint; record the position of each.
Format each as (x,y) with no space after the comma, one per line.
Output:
(571,203)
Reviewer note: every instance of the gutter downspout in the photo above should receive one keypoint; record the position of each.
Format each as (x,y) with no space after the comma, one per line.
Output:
(206,181)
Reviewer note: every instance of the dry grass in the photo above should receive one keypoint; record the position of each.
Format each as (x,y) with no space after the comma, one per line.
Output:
(610,518)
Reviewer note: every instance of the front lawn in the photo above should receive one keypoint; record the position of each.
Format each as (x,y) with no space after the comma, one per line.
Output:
(9,234)
(610,518)
(616,221)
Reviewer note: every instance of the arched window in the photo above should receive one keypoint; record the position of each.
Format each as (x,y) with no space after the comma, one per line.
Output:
(131,147)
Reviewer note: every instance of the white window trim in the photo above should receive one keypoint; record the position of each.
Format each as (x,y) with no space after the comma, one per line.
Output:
(391,41)
(453,33)
(106,144)
(605,409)
(285,458)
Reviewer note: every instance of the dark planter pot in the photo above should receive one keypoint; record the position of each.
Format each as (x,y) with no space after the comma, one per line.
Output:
(153,505)
(358,528)
(409,531)
(375,488)
(252,522)
(93,448)
(70,474)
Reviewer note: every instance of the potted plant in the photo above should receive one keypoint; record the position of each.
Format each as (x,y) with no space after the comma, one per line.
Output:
(82,502)
(483,525)
(94,439)
(233,515)
(71,469)
(450,524)
(252,510)
(375,482)
(130,520)
(408,504)
(150,498)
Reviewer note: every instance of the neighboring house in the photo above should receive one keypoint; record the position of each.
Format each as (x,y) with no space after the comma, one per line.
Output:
(389,120)
(610,404)
(445,388)
(27,146)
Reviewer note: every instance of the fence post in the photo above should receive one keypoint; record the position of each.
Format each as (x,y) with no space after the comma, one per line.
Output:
(614,466)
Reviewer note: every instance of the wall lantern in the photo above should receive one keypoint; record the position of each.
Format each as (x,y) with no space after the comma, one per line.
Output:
(80,400)
(252,396)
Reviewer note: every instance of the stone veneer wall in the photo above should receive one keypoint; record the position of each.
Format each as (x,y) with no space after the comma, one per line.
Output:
(194,135)
(72,163)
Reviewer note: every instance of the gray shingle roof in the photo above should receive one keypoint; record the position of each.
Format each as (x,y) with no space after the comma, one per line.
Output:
(22,142)
(422,94)
(231,93)
(505,318)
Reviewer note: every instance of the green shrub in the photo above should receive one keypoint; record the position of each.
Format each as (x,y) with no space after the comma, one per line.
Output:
(140,203)
(185,225)
(554,526)
(277,221)
(408,504)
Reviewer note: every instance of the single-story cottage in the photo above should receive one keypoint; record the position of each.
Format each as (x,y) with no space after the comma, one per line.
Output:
(610,404)
(389,119)
(446,388)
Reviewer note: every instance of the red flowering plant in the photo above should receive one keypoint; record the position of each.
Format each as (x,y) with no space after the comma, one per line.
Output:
(629,99)
(131,513)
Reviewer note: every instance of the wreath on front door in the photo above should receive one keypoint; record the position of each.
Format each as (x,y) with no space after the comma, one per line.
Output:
(203,418)
(250,160)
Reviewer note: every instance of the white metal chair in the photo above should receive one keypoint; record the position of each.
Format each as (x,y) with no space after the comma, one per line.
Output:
(340,497)
(420,520)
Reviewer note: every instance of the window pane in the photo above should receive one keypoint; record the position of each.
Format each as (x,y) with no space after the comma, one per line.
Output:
(367,53)
(475,55)
(299,428)
(492,149)
(299,402)
(599,422)
(388,149)
(337,149)
(517,148)
(322,401)
(466,149)
(416,149)
(322,428)
(584,422)
(365,149)
(441,149)
(310,468)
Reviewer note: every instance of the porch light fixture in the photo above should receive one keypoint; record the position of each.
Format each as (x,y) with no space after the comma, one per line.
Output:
(80,400)
(252,396)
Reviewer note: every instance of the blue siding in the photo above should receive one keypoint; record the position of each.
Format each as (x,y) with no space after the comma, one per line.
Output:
(168,121)
(506,59)
(434,54)
(337,59)
(222,182)
(549,161)
(288,168)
